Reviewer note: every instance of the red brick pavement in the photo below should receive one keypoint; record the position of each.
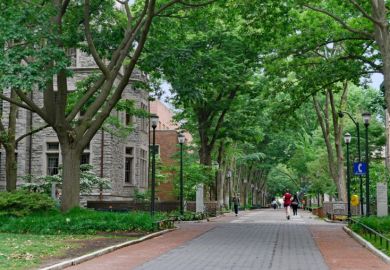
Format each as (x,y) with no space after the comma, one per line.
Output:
(341,252)
(132,256)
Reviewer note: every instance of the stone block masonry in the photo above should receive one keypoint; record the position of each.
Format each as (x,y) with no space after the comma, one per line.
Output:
(34,151)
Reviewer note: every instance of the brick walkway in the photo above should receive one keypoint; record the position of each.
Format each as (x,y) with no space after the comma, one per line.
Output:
(255,240)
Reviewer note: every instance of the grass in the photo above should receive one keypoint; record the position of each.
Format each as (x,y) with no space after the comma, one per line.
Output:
(28,240)
(20,251)
(78,222)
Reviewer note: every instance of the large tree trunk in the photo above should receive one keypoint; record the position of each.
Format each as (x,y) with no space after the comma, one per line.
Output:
(10,168)
(71,177)
(10,145)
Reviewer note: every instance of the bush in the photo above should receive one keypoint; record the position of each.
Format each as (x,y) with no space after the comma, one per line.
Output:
(22,203)
(187,216)
(79,221)
(379,224)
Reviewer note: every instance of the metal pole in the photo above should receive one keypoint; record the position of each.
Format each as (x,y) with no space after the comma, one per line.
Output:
(181,181)
(348,184)
(367,175)
(360,177)
(152,207)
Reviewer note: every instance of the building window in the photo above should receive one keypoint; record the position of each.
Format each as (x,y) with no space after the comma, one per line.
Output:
(129,165)
(84,158)
(53,146)
(144,167)
(128,119)
(52,163)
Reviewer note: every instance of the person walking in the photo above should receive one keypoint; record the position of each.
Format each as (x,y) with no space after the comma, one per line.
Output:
(274,204)
(236,203)
(287,202)
(295,204)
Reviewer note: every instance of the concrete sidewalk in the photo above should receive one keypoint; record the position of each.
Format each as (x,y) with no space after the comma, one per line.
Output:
(261,239)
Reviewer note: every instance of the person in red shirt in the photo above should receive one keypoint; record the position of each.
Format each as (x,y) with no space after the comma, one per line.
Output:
(287,202)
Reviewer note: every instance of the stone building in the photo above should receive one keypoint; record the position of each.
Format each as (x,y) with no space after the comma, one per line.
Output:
(122,160)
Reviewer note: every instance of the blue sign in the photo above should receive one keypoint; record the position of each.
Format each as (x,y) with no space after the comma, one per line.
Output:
(359,168)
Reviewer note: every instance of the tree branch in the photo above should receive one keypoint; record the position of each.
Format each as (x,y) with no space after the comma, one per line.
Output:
(365,14)
(90,42)
(31,132)
(17,103)
(340,21)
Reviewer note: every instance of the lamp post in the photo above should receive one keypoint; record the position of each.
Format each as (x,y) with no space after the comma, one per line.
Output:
(181,138)
(341,114)
(347,140)
(366,119)
(154,122)
(229,176)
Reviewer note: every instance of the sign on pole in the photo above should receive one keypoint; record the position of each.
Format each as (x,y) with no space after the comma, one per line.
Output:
(359,168)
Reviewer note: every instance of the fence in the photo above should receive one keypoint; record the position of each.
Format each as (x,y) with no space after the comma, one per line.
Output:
(380,240)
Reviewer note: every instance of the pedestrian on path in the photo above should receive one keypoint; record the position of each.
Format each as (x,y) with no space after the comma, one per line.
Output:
(287,202)
(236,203)
(294,205)
(274,204)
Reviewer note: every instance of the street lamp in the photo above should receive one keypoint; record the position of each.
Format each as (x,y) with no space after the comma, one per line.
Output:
(366,119)
(347,140)
(229,176)
(341,114)
(154,122)
(181,138)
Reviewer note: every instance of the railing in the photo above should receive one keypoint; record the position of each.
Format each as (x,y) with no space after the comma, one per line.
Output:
(373,235)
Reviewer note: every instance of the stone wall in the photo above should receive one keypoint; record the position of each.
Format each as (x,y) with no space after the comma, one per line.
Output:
(113,147)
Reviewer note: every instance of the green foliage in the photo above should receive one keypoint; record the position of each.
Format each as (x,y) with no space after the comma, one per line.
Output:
(78,221)
(194,174)
(22,203)
(187,216)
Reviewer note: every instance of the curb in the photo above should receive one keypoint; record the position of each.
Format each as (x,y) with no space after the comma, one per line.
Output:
(367,245)
(103,251)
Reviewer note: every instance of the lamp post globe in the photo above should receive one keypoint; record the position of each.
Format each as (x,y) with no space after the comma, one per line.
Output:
(181,139)
(366,118)
(347,138)
(154,123)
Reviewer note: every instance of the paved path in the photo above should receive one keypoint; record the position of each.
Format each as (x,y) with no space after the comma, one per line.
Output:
(254,240)
(257,240)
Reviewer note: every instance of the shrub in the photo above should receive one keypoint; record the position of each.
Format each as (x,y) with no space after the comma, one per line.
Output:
(79,221)
(22,203)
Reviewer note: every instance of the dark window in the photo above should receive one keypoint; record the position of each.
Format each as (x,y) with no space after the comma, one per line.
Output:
(53,146)
(84,158)
(129,169)
(52,163)
(129,150)
(128,119)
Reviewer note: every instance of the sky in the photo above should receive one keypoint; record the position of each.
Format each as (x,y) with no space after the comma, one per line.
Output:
(377,79)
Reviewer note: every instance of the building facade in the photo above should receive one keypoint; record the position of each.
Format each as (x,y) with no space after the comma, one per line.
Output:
(123,160)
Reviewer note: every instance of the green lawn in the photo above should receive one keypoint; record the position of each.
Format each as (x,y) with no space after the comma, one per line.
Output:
(24,251)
